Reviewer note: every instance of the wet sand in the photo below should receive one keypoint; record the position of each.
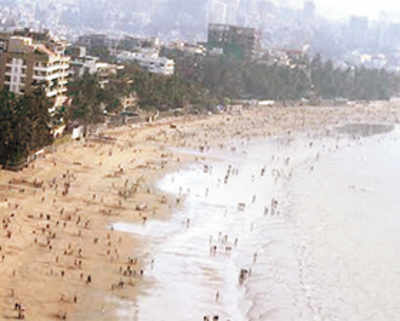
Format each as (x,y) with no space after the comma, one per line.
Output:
(304,255)
(56,215)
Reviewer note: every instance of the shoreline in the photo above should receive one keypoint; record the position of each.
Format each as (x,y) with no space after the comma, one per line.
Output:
(94,198)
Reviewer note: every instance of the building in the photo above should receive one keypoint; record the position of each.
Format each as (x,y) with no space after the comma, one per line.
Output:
(150,61)
(131,43)
(358,26)
(82,64)
(160,65)
(96,41)
(217,12)
(105,71)
(93,41)
(309,9)
(29,59)
(186,48)
(242,42)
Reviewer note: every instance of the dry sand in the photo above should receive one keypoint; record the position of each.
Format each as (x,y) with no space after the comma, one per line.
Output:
(56,214)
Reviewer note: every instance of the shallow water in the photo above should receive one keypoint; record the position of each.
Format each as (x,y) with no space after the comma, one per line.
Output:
(329,251)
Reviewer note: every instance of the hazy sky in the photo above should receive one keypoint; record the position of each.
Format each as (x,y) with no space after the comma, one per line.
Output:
(371,8)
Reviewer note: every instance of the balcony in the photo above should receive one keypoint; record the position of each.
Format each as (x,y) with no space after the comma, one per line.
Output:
(52,93)
(55,76)
(10,74)
(64,74)
(41,78)
(47,68)
(49,77)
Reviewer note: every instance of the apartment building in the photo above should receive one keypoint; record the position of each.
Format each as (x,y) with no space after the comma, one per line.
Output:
(242,42)
(27,62)
(82,64)
(93,40)
(160,65)
(150,61)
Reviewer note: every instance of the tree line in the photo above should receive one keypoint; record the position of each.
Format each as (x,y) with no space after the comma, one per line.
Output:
(302,77)
(204,82)
(354,83)
(90,101)
(24,125)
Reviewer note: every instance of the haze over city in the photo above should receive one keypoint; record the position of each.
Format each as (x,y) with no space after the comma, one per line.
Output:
(343,8)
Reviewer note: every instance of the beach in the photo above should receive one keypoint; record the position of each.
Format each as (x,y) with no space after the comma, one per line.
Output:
(66,251)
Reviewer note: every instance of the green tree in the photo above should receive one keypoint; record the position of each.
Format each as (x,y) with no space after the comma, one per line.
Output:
(24,125)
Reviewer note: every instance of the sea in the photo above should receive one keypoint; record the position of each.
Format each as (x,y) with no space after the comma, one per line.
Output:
(310,220)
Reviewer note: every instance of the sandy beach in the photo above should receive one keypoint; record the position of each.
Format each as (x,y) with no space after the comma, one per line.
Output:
(60,258)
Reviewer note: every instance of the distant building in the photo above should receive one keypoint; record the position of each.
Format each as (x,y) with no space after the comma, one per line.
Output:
(217,11)
(242,42)
(284,57)
(216,52)
(82,64)
(187,48)
(76,51)
(309,9)
(160,65)
(131,43)
(29,59)
(358,26)
(150,61)
(93,41)
(105,71)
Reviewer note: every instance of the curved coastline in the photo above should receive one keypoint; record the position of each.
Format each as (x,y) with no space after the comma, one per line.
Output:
(102,172)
